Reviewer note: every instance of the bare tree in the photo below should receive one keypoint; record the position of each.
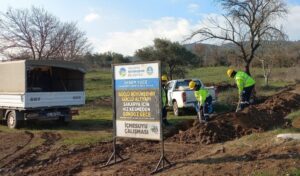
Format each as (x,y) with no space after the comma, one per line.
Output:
(37,32)
(267,69)
(247,24)
(269,53)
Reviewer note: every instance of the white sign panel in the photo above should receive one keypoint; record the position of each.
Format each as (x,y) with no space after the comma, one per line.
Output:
(138,101)
(135,129)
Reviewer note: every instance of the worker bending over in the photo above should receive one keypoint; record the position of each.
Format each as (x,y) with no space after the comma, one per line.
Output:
(204,101)
(245,84)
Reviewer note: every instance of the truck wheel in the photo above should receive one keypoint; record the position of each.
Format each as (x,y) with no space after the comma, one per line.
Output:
(64,121)
(176,110)
(14,119)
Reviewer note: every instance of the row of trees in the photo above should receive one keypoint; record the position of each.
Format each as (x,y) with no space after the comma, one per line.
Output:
(282,54)
(174,58)
(103,60)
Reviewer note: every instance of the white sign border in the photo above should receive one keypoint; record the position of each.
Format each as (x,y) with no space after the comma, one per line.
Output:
(158,75)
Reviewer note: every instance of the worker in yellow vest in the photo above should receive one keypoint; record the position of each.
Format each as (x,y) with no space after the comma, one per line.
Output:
(245,84)
(164,80)
(204,101)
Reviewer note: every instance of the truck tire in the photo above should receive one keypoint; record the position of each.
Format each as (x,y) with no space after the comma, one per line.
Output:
(177,111)
(14,119)
(61,121)
(65,120)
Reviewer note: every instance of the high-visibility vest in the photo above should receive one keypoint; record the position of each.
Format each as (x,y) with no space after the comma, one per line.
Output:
(243,80)
(201,95)
(163,97)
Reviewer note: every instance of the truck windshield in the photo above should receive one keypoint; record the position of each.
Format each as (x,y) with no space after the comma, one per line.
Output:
(53,79)
(184,84)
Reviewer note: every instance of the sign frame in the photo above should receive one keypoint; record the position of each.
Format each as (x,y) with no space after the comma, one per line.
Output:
(158,99)
(113,158)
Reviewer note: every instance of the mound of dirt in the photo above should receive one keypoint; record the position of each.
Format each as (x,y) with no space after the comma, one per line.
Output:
(296,123)
(256,118)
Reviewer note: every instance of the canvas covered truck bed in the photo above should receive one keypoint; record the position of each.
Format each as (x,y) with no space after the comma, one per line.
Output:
(30,84)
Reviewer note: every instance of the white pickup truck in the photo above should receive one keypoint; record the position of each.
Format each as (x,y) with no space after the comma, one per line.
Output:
(181,97)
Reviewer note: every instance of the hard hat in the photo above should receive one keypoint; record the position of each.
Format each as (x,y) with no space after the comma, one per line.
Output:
(164,78)
(229,72)
(192,84)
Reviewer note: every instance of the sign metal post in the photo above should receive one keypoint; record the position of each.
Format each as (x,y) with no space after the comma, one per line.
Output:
(113,159)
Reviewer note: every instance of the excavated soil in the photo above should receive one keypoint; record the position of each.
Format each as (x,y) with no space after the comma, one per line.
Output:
(256,118)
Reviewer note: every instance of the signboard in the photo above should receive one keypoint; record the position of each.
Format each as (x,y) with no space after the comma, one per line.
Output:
(137,101)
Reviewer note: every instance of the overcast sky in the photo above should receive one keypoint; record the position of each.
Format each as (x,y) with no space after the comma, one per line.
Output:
(124,26)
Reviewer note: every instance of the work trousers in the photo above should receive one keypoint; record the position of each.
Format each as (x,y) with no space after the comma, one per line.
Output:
(164,113)
(207,106)
(245,96)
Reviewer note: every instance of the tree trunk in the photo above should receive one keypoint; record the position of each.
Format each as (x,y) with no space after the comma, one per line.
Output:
(170,75)
(171,69)
(247,68)
(267,81)
(33,53)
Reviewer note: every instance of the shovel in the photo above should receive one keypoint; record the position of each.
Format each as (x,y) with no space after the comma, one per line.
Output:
(238,108)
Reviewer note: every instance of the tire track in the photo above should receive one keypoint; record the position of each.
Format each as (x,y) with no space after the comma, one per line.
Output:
(28,158)
(31,136)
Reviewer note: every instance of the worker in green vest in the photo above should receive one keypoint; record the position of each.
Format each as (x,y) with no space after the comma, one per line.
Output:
(204,101)
(164,80)
(245,84)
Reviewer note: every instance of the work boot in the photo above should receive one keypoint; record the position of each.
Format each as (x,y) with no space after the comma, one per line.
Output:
(203,121)
(206,117)
(245,104)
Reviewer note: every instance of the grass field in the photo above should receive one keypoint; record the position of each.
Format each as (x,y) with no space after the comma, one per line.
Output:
(94,123)
(98,84)
(278,79)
